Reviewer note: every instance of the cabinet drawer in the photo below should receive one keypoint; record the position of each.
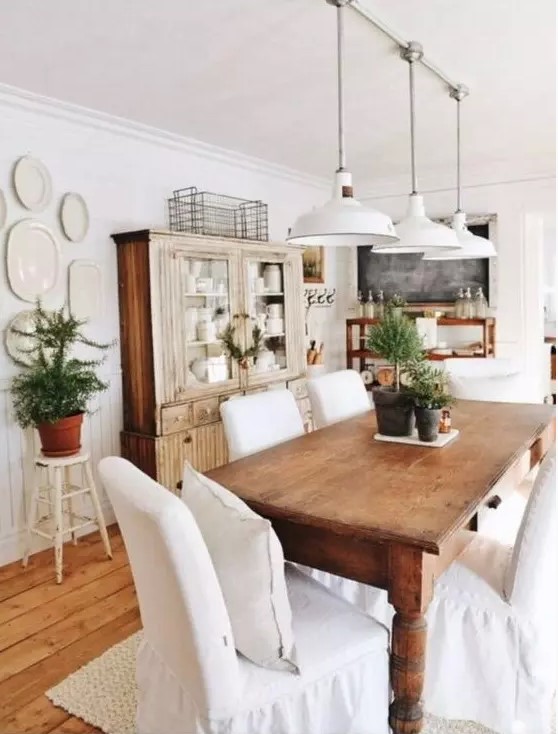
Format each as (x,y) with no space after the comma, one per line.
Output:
(298,388)
(176,418)
(206,411)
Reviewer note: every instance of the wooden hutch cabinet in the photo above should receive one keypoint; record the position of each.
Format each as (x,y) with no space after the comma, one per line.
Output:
(177,292)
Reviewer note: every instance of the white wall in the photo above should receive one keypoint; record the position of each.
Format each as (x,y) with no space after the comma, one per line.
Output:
(125,173)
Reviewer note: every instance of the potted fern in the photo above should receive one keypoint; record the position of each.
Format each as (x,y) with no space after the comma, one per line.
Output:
(396,340)
(428,385)
(55,387)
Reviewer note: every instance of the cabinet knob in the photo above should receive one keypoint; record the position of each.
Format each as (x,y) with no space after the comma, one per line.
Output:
(188,438)
(494,502)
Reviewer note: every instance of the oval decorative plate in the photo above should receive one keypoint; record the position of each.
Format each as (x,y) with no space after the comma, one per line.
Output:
(84,286)
(18,345)
(74,217)
(32,183)
(33,259)
(3,209)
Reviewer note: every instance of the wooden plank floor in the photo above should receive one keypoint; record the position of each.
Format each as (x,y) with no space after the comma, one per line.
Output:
(48,631)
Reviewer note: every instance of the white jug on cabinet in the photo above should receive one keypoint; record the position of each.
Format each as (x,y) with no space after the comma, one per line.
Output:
(272,278)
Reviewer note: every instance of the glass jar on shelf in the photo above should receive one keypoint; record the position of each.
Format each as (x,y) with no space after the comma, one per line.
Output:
(369,306)
(481,305)
(459,304)
(468,305)
(380,305)
(360,305)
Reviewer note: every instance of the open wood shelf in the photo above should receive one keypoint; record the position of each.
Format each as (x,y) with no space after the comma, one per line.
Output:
(488,341)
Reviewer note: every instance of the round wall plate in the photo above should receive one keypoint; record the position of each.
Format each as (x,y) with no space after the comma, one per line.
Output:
(18,345)
(32,183)
(74,217)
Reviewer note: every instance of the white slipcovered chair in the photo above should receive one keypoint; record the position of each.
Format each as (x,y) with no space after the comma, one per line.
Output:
(256,422)
(190,678)
(337,396)
(502,381)
(493,380)
(491,651)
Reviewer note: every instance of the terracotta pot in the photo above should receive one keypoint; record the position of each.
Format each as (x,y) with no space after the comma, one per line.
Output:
(62,438)
(394,412)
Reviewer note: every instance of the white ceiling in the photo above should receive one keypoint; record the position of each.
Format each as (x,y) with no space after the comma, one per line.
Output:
(258,76)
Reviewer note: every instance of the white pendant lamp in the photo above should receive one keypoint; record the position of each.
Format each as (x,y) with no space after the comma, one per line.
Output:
(416,232)
(342,221)
(472,245)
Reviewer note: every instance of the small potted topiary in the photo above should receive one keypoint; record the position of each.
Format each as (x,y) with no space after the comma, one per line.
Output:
(55,387)
(397,305)
(395,339)
(429,387)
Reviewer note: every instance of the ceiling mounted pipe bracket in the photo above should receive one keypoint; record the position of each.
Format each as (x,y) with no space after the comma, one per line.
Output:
(459,92)
(412,52)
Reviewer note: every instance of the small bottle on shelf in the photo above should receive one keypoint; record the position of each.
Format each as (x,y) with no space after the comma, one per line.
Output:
(369,307)
(481,306)
(380,306)
(360,306)
(468,306)
(459,303)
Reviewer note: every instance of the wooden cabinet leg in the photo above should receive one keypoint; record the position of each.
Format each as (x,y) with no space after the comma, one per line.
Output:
(407,672)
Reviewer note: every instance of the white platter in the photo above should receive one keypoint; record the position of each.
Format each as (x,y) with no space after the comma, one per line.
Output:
(74,217)
(3,209)
(16,344)
(33,259)
(442,440)
(32,183)
(84,286)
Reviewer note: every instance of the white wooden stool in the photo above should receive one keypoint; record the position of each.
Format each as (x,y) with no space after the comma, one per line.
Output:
(47,513)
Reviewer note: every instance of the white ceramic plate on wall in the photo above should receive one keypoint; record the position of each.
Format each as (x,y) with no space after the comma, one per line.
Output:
(84,286)
(74,217)
(16,344)
(33,260)
(3,209)
(32,183)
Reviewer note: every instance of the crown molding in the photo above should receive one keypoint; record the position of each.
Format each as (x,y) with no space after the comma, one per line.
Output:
(30,101)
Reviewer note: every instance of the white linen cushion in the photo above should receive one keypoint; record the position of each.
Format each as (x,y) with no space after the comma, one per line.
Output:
(249,563)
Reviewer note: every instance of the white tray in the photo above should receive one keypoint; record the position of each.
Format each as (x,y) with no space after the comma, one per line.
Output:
(442,440)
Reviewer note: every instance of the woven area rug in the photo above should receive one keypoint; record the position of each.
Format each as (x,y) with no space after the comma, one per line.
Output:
(103,693)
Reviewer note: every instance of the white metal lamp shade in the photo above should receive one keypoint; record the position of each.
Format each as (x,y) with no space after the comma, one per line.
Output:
(342,221)
(472,245)
(419,234)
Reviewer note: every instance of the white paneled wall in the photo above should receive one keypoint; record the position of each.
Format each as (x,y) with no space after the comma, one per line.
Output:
(100,437)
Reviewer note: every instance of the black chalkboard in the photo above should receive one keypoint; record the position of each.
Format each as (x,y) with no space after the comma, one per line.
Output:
(418,280)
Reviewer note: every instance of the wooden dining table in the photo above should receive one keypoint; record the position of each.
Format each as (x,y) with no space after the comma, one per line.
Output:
(390,514)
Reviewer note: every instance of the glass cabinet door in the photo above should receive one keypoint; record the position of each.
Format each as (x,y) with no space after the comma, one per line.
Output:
(208,288)
(266,284)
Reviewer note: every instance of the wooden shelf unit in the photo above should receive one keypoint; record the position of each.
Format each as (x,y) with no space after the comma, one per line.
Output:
(488,326)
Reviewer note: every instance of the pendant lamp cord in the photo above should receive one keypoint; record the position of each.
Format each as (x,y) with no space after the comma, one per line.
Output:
(411,53)
(459,93)
(414,180)
(340,97)
(458,155)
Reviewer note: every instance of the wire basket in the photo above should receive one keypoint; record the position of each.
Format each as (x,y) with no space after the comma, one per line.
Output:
(202,212)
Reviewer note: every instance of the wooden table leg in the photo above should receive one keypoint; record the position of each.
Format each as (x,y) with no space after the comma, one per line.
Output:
(411,576)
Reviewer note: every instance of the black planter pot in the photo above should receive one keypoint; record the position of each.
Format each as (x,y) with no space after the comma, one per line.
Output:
(394,412)
(428,420)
